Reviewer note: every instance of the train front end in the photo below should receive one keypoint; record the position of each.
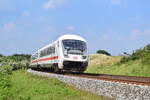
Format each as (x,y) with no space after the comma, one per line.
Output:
(75,56)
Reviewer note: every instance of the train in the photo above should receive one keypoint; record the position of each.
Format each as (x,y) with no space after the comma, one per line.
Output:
(68,53)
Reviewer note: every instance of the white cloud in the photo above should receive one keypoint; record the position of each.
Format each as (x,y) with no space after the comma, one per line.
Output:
(25,13)
(8,26)
(70,28)
(136,31)
(116,2)
(140,34)
(54,4)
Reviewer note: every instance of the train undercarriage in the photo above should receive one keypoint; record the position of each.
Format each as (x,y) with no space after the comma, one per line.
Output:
(68,66)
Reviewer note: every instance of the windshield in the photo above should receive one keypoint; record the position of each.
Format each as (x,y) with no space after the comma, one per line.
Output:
(74,46)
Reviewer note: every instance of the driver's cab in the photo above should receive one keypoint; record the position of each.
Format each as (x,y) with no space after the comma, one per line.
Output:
(74,48)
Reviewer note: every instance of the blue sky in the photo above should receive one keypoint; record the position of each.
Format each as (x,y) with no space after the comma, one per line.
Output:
(112,25)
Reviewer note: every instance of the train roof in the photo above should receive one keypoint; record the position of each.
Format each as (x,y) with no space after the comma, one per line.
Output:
(70,36)
(67,36)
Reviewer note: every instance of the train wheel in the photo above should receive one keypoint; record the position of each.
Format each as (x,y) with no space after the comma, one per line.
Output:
(57,70)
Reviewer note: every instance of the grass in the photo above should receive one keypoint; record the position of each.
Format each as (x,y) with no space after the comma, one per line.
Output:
(131,68)
(28,87)
(102,60)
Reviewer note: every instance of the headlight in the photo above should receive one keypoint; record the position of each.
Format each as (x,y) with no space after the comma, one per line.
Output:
(65,52)
(66,56)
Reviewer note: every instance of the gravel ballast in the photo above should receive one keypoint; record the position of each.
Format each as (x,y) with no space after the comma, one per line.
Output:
(116,90)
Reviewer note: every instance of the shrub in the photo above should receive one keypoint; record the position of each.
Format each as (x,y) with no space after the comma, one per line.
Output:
(17,61)
(5,83)
(143,54)
(103,52)
(20,65)
(22,56)
(7,70)
(1,55)
(146,59)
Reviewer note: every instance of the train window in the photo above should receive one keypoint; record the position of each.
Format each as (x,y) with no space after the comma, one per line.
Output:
(47,51)
(42,53)
(58,44)
(74,46)
(53,49)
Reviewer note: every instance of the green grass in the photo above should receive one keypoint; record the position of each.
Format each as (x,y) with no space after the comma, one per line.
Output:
(28,87)
(131,68)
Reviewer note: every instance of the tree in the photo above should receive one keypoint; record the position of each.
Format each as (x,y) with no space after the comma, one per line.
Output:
(1,55)
(103,52)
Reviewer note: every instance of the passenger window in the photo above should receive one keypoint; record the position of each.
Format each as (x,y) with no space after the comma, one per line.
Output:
(58,44)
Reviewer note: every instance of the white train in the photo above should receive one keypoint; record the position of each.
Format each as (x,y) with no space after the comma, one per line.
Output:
(67,53)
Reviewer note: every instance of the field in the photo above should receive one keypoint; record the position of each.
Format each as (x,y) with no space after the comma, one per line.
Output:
(111,65)
(29,87)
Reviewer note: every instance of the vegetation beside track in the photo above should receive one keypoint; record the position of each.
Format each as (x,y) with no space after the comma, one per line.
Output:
(137,64)
(28,87)
(24,86)
(17,84)
(8,64)
(16,61)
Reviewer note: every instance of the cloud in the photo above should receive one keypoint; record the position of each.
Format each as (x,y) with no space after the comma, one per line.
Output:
(53,4)
(70,28)
(116,2)
(8,26)
(138,34)
(136,31)
(25,13)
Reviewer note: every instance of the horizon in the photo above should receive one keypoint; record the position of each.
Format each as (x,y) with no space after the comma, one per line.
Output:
(116,26)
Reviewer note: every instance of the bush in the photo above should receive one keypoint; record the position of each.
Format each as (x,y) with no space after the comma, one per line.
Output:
(20,65)
(22,56)
(6,70)
(17,61)
(143,54)
(1,55)
(7,64)
(5,83)
(103,52)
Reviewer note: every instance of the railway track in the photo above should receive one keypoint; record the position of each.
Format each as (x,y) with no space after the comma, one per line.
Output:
(115,78)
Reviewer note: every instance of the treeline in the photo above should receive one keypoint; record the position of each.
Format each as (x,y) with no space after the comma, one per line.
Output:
(16,61)
(103,52)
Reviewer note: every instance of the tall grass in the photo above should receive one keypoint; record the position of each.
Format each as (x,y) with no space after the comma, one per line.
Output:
(29,87)
(132,68)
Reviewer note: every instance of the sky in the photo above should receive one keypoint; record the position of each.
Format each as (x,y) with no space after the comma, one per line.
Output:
(116,26)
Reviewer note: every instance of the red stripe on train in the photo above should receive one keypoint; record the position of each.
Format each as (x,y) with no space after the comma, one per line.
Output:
(45,59)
